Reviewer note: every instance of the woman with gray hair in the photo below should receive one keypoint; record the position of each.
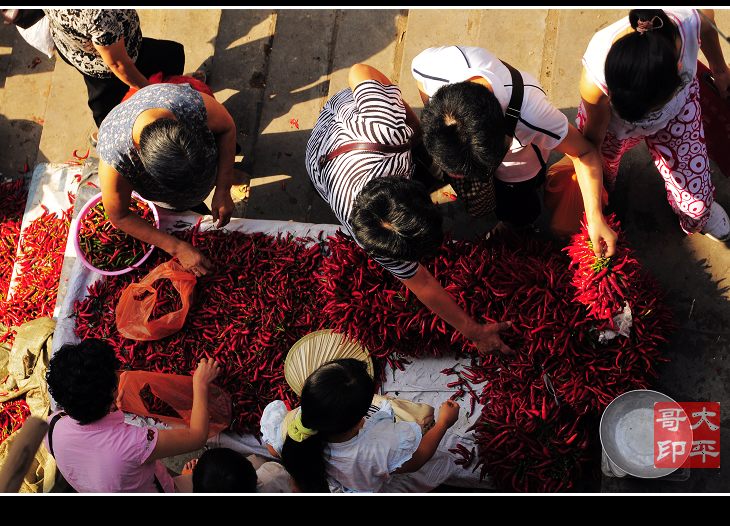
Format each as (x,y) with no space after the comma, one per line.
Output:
(172,145)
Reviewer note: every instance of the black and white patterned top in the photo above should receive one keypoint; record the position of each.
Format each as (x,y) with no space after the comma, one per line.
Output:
(116,147)
(75,31)
(372,113)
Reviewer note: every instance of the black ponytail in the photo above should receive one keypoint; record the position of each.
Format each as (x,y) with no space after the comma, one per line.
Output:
(305,463)
(334,400)
(641,67)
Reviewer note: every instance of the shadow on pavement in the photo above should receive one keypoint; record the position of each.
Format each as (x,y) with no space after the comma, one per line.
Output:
(19,139)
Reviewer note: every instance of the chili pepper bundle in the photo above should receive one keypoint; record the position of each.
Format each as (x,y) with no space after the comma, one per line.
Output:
(13,415)
(555,342)
(38,269)
(525,441)
(155,404)
(106,247)
(603,285)
(247,314)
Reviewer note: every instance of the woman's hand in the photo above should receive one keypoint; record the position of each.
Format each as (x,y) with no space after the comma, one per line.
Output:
(222,207)
(602,237)
(487,339)
(192,259)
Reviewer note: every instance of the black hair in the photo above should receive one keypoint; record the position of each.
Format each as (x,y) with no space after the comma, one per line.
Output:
(223,470)
(394,217)
(82,379)
(173,156)
(334,399)
(464,129)
(641,67)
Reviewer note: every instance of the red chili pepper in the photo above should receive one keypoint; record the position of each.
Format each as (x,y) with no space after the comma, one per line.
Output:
(81,157)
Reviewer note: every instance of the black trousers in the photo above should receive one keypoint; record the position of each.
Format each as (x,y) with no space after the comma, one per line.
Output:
(519,203)
(154,56)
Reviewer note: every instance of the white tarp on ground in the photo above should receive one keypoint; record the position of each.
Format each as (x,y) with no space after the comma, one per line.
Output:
(421,381)
(49,187)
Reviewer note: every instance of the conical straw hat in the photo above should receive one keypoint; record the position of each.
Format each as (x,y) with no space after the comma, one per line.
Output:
(316,349)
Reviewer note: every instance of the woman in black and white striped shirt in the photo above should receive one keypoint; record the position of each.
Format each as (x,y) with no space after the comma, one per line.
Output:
(374,198)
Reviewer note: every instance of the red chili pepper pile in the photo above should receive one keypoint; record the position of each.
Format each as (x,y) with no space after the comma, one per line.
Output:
(168,299)
(12,205)
(528,282)
(366,302)
(526,442)
(155,404)
(266,293)
(247,314)
(13,415)
(105,246)
(35,291)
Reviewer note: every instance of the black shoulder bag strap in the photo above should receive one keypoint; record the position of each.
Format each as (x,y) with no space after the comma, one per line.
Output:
(54,420)
(512,114)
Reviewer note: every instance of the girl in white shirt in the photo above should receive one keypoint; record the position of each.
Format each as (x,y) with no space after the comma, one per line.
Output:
(639,83)
(328,444)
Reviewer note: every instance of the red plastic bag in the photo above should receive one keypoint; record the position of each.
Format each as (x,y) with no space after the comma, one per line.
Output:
(564,198)
(715,120)
(135,306)
(157,78)
(177,392)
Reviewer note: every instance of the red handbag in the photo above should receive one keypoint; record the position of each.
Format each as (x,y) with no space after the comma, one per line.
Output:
(715,119)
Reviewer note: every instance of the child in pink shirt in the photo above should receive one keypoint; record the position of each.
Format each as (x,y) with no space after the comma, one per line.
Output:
(95,450)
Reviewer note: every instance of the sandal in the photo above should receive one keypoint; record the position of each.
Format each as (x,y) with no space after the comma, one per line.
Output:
(189,467)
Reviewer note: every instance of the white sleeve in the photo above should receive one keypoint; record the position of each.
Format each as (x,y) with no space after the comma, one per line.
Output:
(406,439)
(271,422)
(594,61)
(427,68)
(401,439)
(543,124)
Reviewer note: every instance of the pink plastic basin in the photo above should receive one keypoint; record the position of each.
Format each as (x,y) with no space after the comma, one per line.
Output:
(79,220)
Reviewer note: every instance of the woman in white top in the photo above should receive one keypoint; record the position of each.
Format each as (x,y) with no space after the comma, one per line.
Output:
(328,444)
(466,92)
(639,82)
